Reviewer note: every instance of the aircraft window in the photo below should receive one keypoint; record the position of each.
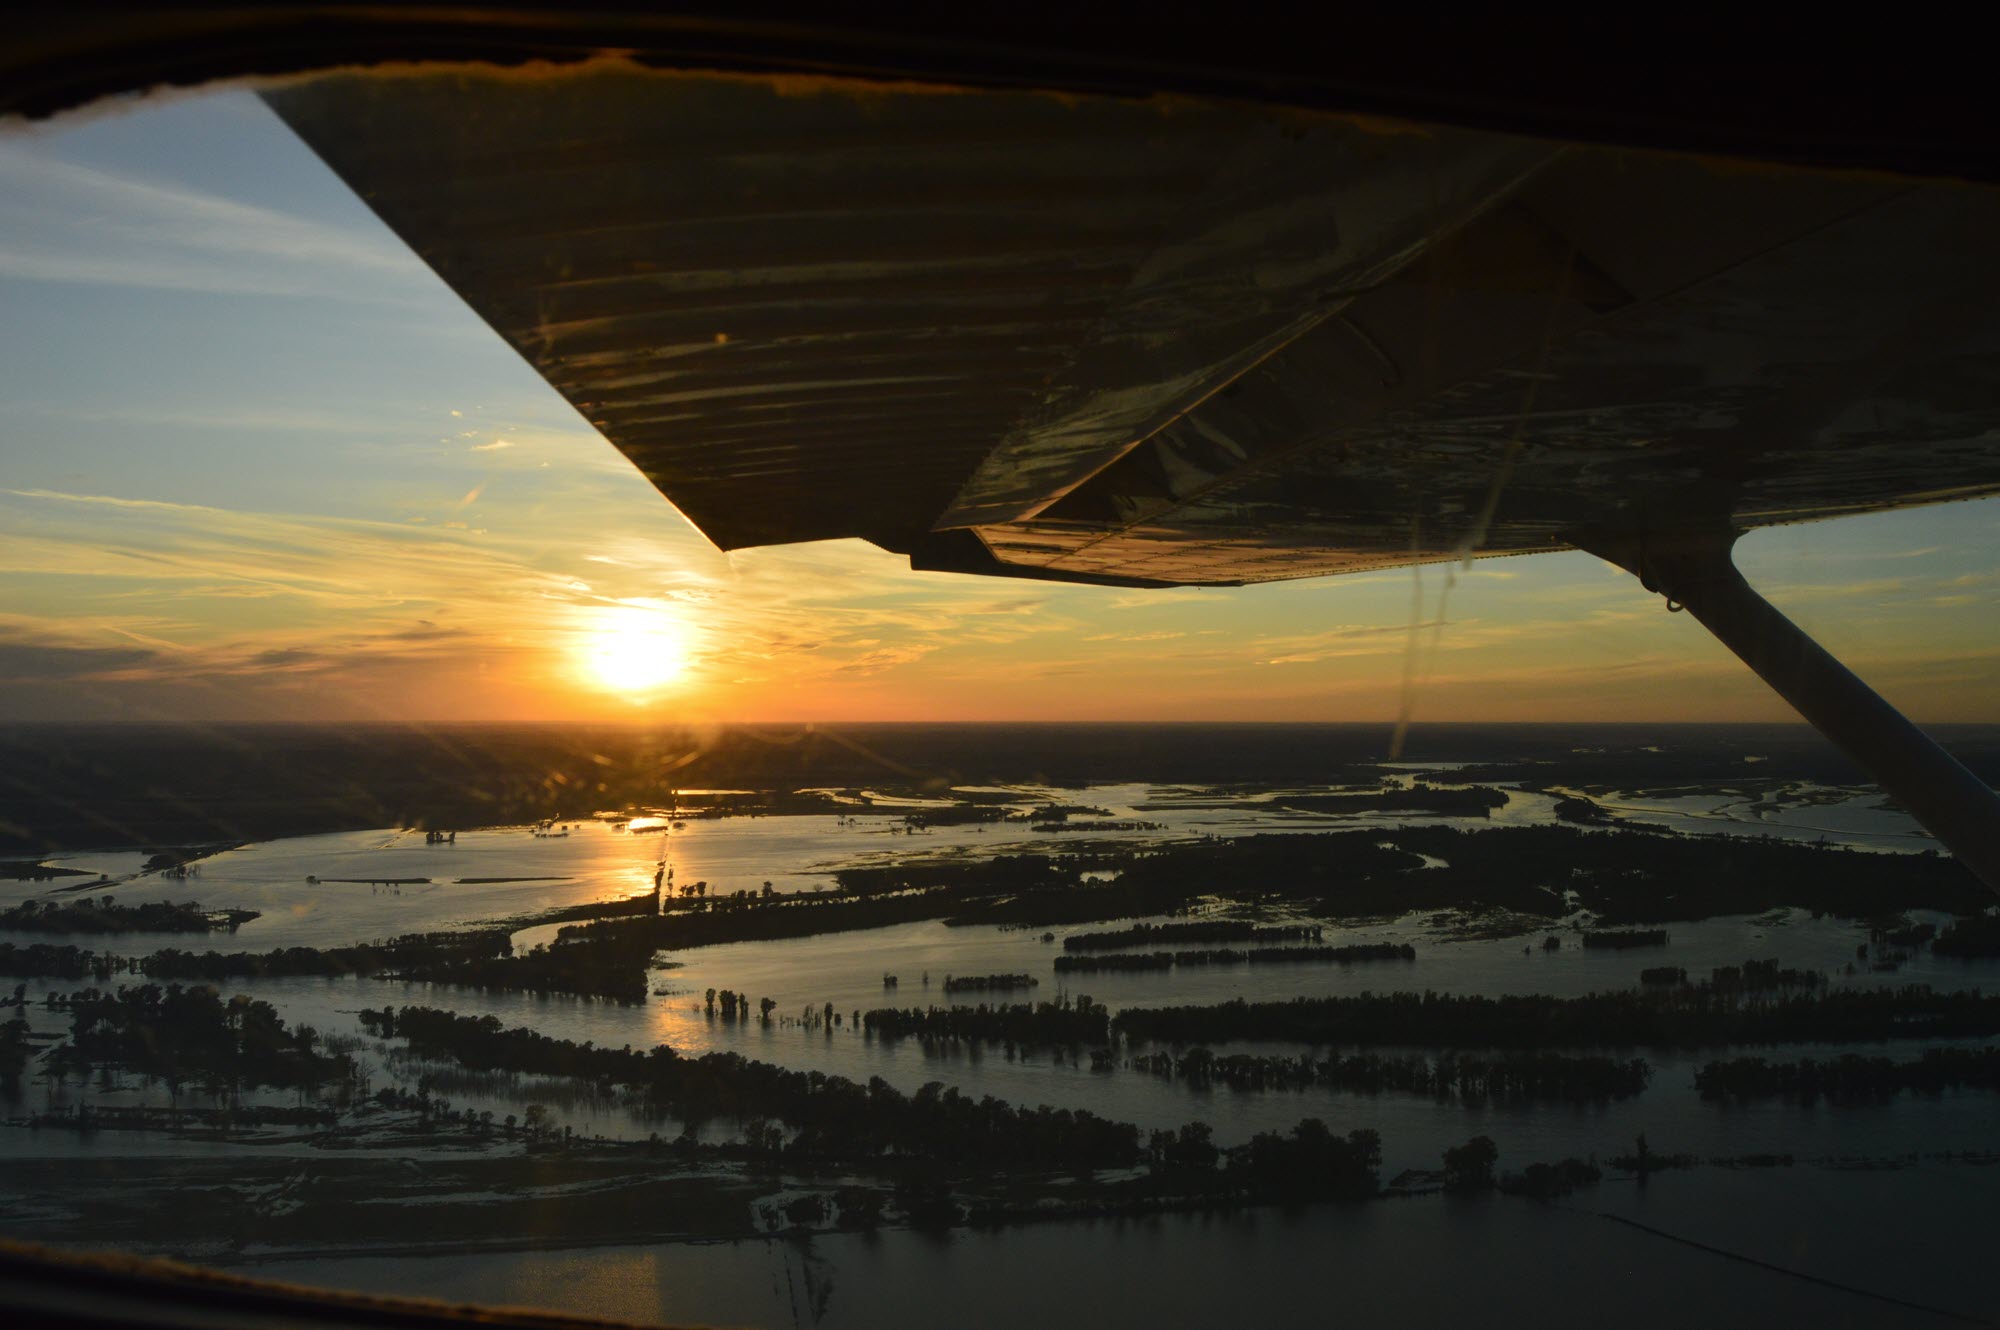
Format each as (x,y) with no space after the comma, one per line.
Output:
(513,794)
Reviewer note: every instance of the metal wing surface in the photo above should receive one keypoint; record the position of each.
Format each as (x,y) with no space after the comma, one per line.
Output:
(1163,341)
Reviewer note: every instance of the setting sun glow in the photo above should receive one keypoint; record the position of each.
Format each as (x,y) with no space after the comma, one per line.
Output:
(634,652)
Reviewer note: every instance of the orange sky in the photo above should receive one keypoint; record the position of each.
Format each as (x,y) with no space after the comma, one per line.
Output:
(261,464)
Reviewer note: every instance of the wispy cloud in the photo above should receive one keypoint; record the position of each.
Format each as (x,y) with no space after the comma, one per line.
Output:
(79,224)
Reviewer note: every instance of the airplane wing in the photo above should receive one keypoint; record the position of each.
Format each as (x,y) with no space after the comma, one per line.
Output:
(1160,341)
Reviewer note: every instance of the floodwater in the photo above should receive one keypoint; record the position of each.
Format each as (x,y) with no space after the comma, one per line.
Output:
(1807,1247)
(1370,1265)
(377,884)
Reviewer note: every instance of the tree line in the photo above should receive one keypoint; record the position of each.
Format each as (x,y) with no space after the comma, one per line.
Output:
(836,1120)
(1468,1078)
(1141,935)
(988,983)
(414,951)
(833,1118)
(1167,960)
(46,960)
(1976,937)
(1064,1022)
(105,915)
(178,1034)
(1693,1016)
(1851,1077)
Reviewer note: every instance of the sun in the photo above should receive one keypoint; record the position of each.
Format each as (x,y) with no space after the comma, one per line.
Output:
(634,652)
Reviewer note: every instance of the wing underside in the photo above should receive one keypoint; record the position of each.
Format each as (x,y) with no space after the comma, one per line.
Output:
(1164,341)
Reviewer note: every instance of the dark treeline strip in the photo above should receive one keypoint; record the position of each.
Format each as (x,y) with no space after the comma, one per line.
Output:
(96,785)
(1619,940)
(613,968)
(1851,1077)
(478,959)
(1006,889)
(988,983)
(1624,877)
(1121,824)
(1117,963)
(1171,879)
(15,1049)
(956,816)
(1974,938)
(1663,975)
(89,915)
(180,1034)
(1763,977)
(1166,960)
(835,1118)
(1473,1080)
(1470,801)
(404,954)
(1695,1016)
(1347,955)
(44,960)
(838,1120)
(769,918)
(1062,1023)
(1153,935)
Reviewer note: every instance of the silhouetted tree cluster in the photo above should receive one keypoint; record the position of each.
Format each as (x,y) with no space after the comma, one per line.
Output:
(1623,876)
(179,1034)
(407,953)
(1974,938)
(833,1118)
(1469,1167)
(956,815)
(1310,1162)
(91,915)
(1694,1016)
(1763,977)
(988,983)
(1061,1023)
(1143,935)
(1851,1078)
(1663,976)
(1122,962)
(1193,1146)
(763,918)
(1471,1079)
(613,970)
(1165,960)
(15,1048)
(43,960)
(1640,877)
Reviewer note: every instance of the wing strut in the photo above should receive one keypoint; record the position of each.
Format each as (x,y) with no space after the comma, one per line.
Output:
(1691,566)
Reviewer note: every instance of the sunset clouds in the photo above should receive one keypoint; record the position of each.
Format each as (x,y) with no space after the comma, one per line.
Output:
(257,462)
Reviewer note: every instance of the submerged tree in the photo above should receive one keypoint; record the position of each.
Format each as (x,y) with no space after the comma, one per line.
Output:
(1469,1167)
